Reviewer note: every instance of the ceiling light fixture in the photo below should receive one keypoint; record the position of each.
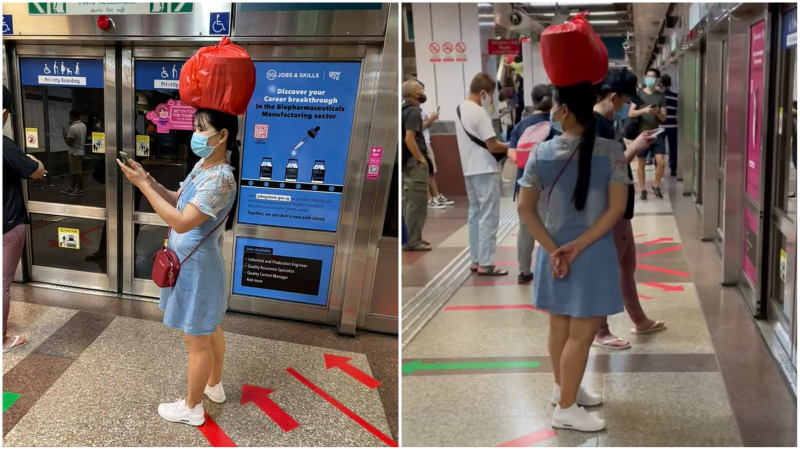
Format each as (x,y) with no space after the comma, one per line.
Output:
(603,22)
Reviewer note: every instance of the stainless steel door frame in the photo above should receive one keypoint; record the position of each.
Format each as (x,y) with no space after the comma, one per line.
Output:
(687,90)
(713,111)
(384,132)
(105,282)
(130,218)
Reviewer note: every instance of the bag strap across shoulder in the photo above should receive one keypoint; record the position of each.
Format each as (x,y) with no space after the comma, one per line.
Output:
(169,230)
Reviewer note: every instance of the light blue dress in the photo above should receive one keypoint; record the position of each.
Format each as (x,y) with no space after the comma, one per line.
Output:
(592,287)
(197,302)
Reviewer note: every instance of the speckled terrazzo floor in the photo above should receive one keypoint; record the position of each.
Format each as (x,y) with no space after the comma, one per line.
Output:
(94,377)
(708,380)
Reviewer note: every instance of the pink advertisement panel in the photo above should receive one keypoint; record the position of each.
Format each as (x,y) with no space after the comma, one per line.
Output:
(754,102)
(750,245)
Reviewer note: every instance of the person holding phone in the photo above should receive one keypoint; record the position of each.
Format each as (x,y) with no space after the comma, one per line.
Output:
(650,115)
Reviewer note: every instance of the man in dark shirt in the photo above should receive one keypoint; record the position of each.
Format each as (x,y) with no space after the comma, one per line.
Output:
(415,166)
(671,125)
(16,167)
(615,92)
(651,114)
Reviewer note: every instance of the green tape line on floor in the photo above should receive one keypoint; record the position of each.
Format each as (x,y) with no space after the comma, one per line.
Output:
(9,398)
(414,366)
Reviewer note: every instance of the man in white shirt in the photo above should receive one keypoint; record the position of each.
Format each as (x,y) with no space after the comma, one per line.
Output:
(480,151)
(75,138)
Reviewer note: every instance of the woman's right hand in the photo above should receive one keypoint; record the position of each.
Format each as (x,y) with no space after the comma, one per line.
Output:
(560,266)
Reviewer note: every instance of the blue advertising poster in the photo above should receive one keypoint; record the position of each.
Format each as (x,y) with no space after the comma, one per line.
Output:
(283,270)
(79,73)
(789,30)
(157,75)
(297,137)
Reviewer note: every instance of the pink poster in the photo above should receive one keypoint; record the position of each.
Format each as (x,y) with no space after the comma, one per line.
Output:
(754,102)
(374,166)
(750,249)
(172,116)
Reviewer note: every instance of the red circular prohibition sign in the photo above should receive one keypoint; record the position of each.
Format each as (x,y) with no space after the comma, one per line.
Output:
(461,47)
(447,47)
(434,47)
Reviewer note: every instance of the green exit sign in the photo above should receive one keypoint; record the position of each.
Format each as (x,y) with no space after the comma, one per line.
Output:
(117,8)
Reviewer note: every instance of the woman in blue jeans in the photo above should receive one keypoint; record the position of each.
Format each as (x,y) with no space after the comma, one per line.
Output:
(585,181)
(197,302)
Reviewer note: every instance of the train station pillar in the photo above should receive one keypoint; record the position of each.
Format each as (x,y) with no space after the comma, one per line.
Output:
(450,50)
(532,68)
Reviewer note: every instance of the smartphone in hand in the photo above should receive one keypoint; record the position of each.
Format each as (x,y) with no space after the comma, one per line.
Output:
(658,131)
(124,158)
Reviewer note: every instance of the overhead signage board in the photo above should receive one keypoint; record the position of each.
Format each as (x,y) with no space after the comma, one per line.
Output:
(77,73)
(297,139)
(279,270)
(504,46)
(117,8)
(157,75)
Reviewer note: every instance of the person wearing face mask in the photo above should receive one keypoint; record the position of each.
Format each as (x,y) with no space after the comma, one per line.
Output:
(614,96)
(17,166)
(651,114)
(481,153)
(195,213)
(542,96)
(584,182)
(415,166)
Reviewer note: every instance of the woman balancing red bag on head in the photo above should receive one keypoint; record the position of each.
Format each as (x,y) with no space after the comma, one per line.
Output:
(219,81)
(584,182)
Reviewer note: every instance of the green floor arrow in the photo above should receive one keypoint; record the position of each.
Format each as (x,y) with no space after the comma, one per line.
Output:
(414,366)
(8,399)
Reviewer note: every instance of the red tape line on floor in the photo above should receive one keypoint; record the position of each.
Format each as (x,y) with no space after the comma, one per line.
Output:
(531,439)
(658,241)
(214,434)
(658,252)
(355,417)
(662,270)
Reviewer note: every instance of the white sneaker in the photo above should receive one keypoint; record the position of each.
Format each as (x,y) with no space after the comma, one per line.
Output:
(433,204)
(215,393)
(179,412)
(442,200)
(584,398)
(576,418)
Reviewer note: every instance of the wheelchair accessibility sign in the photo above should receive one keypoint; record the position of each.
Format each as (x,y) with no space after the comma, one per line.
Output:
(219,24)
(8,24)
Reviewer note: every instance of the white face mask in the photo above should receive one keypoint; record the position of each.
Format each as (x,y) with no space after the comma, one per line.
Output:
(486,102)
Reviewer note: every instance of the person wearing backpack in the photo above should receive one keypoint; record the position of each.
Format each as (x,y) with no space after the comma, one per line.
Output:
(481,154)
(614,96)
(532,130)
(415,166)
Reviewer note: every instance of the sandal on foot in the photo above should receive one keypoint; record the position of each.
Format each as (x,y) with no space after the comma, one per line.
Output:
(492,272)
(16,344)
(657,326)
(609,344)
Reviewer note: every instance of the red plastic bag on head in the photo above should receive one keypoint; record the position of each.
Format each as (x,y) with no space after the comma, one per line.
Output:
(573,53)
(221,77)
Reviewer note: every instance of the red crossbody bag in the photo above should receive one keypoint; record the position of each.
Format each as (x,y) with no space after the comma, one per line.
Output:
(167,265)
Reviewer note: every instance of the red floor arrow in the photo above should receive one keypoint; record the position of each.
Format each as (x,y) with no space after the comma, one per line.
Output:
(531,439)
(665,287)
(214,434)
(335,403)
(663,270)
(342,363)
(658,252)
(658,241)
(260,396)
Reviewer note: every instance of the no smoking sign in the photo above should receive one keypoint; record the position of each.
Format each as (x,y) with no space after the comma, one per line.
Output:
(447,47)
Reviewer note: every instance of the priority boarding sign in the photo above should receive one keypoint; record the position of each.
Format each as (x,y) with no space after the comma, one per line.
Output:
(95,8)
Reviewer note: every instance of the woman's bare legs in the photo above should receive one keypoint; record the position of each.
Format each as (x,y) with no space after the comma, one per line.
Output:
(201,358)
(218,357)
(574,357)
(556,339)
